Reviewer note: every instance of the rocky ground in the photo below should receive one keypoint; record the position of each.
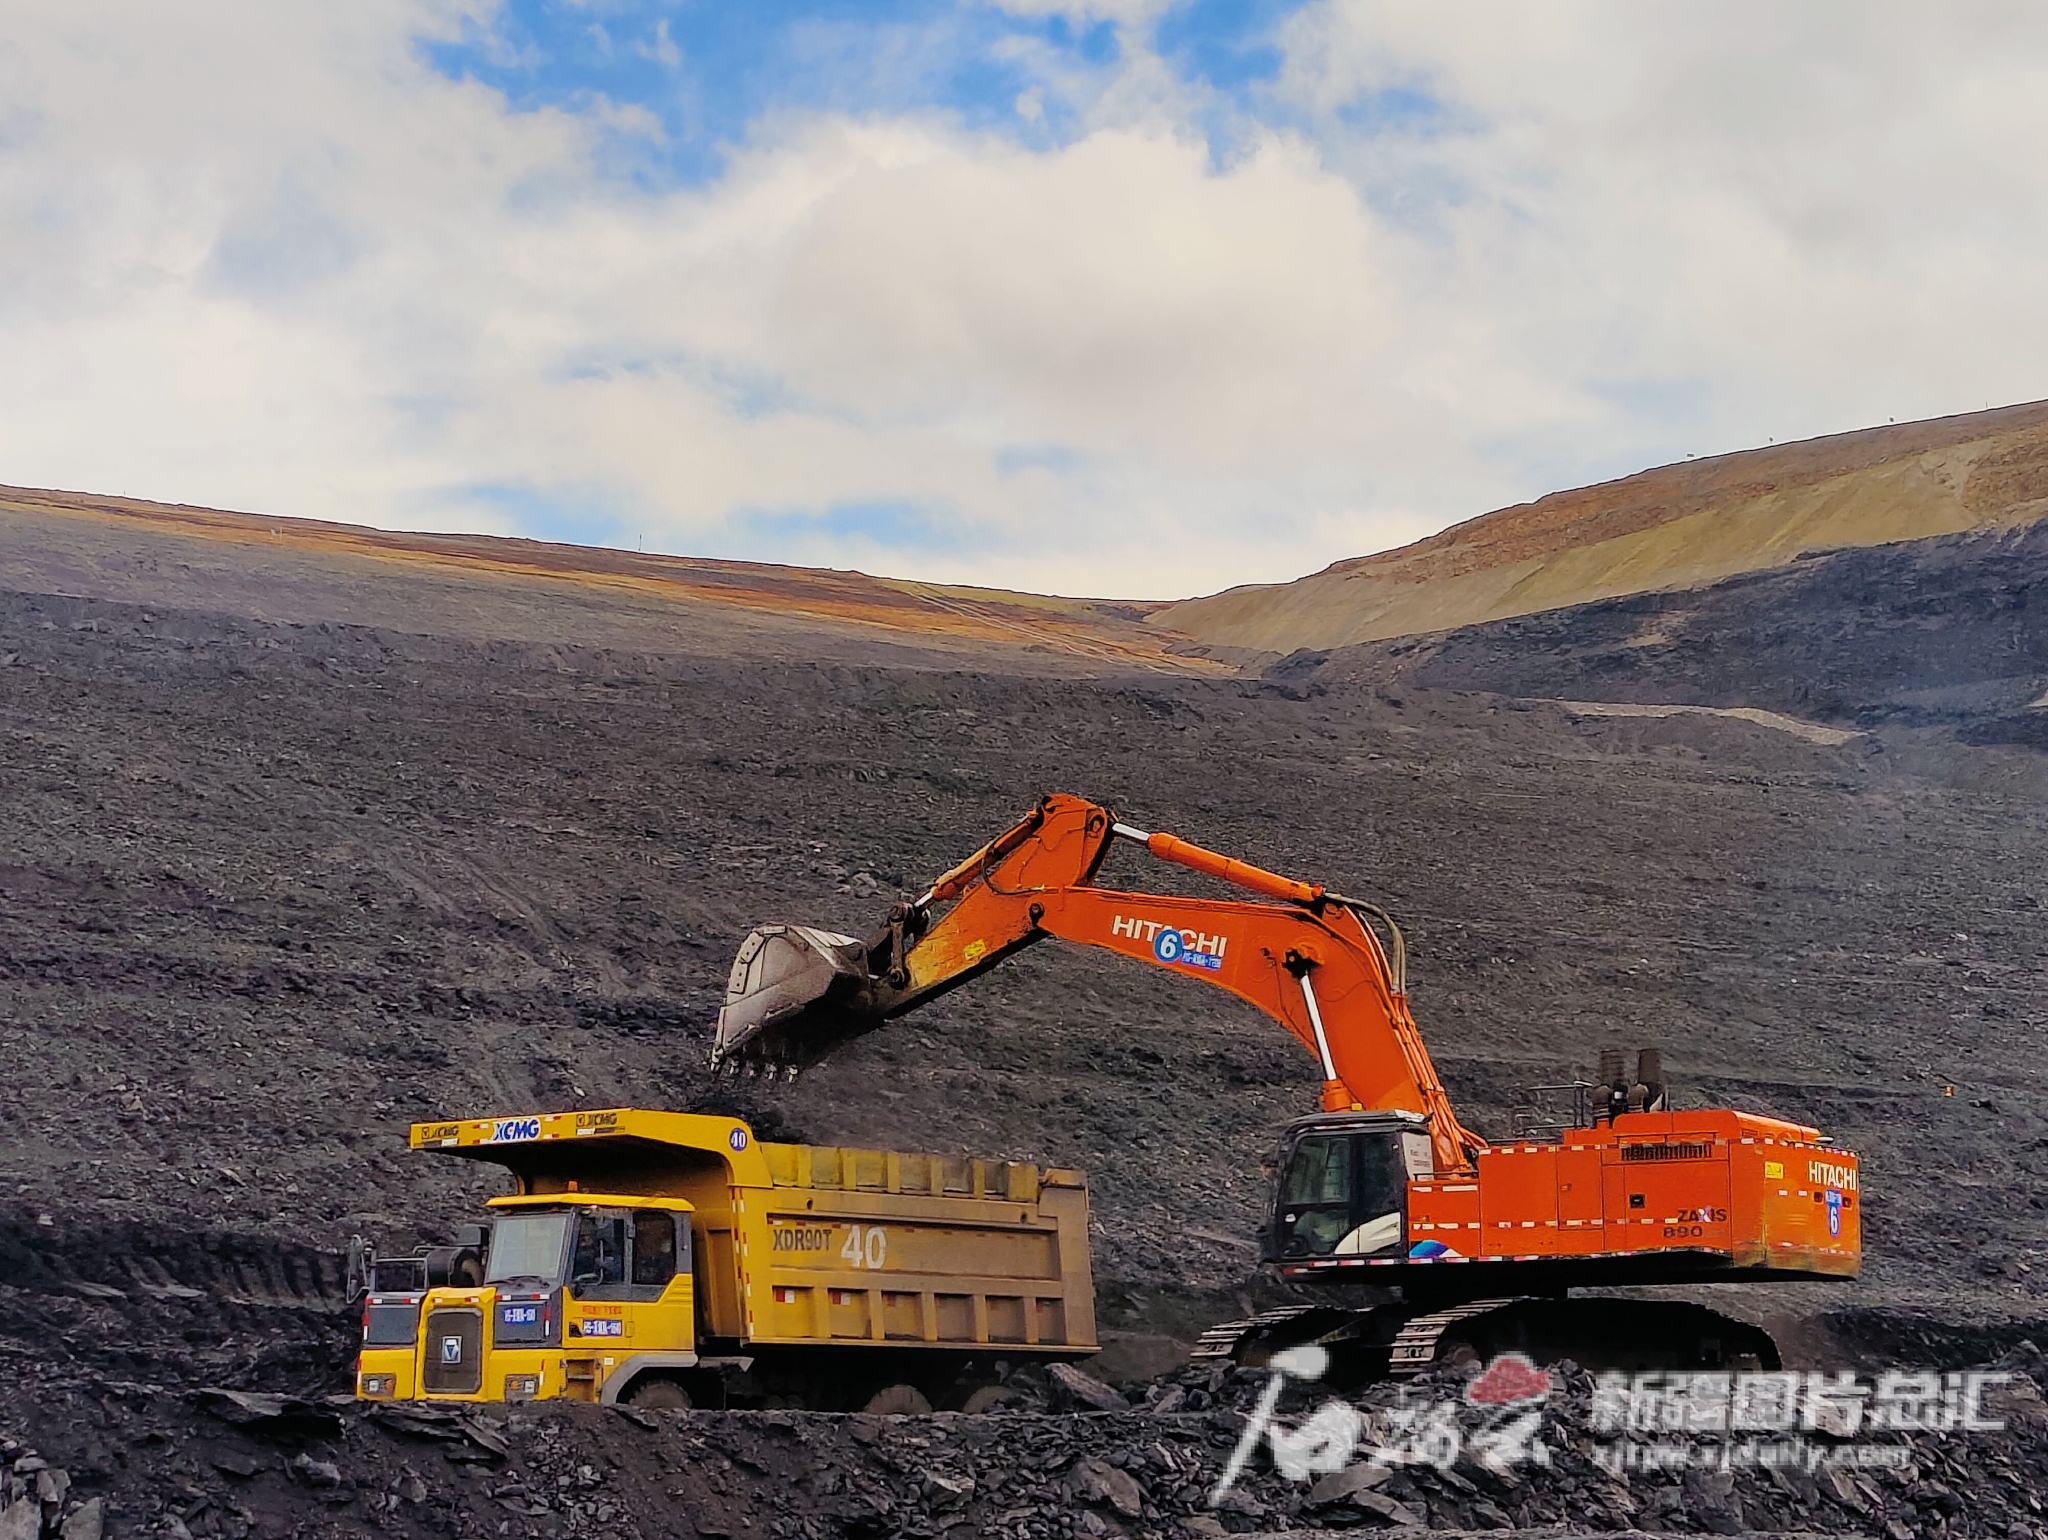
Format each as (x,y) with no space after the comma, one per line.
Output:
(88,1456)
(269,892)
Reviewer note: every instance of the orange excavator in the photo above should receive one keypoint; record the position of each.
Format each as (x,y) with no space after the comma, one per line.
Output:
(1477,1246)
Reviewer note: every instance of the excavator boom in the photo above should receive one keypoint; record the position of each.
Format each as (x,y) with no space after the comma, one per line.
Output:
(1304,956)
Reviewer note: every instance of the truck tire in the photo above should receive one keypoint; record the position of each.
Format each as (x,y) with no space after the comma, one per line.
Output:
(659,1395)
(898,1401)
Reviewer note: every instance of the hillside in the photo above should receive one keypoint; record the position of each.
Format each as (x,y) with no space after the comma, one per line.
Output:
(1948,634)
(490,587)
(1679,526)
(269,890)
(1675,528)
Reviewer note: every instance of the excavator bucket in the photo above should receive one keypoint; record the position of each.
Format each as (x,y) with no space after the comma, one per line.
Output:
(794,995)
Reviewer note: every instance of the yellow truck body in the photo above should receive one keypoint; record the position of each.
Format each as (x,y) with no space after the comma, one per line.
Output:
(672,1258)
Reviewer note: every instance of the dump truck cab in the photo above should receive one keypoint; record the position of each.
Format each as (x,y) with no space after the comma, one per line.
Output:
(668,1258)
(584,1298)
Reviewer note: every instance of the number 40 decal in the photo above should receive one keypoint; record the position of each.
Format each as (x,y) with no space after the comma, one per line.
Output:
(866,1246)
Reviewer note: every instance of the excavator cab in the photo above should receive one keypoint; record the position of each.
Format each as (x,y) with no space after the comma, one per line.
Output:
(1341,1187)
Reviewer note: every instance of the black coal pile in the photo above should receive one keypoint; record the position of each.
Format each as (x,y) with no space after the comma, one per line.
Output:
(269,893)
(272,891)
(87,1456)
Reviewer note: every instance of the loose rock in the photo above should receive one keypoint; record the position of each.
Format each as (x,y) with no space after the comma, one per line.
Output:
(1084,1390)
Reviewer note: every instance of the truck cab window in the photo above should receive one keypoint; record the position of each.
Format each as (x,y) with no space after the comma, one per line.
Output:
(600,1249)
(528,1246)
(654,1247)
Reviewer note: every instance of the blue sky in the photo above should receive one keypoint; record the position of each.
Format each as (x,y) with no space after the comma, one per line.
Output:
(708,70)
(1116,297)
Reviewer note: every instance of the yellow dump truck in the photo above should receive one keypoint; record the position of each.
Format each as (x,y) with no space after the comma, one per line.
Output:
(672,1259)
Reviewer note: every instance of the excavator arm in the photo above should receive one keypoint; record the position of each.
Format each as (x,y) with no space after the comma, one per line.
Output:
(1306,957)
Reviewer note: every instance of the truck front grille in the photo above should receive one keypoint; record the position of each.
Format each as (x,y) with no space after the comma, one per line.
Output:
(455,1351)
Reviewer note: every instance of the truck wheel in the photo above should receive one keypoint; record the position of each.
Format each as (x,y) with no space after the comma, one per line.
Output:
(898,1401)
(659,1395)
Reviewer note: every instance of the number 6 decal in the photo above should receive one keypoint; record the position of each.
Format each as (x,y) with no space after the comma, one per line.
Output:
(865,1246)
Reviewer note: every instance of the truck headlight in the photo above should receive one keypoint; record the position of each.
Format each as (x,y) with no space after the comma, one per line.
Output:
(521,1387)
(377,1385)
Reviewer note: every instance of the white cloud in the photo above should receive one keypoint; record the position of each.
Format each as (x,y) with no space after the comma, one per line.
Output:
(661,48)
(1802,218)
(1125,13)
(263,256)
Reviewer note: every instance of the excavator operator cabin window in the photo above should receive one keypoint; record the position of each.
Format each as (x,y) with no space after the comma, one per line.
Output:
(1315,1210)
(1344,1194)
(1321,1172)
(1382,1176)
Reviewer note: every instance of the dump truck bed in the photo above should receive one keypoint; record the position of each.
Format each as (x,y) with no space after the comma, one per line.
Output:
(877,1246)
(805,1246)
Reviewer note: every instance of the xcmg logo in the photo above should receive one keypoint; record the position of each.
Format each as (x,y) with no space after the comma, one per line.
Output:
(1189,948)
(513,1130)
